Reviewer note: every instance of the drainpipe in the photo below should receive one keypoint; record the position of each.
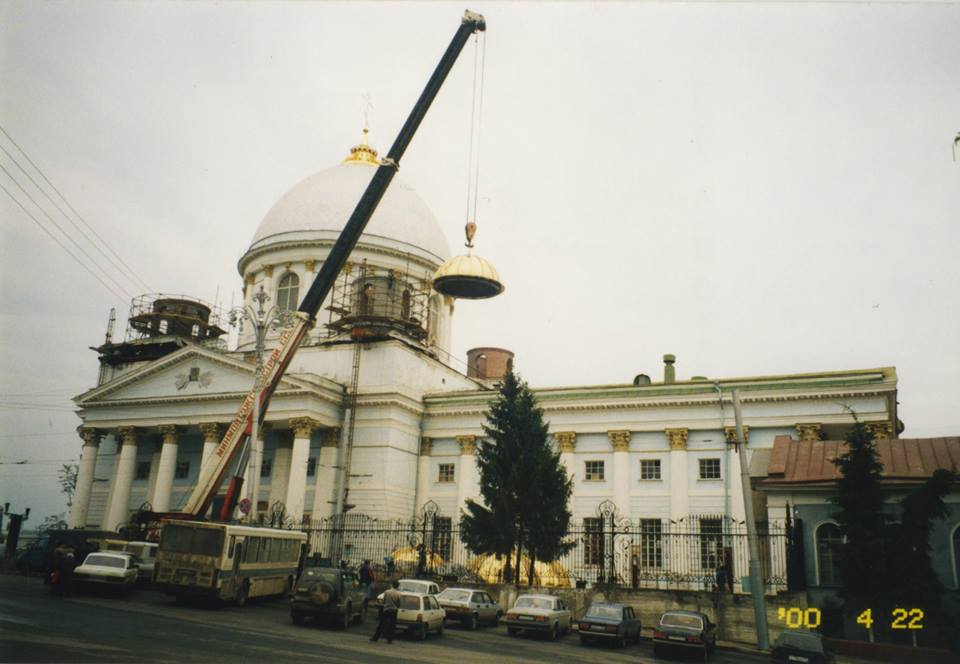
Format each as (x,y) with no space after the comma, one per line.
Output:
(726,455)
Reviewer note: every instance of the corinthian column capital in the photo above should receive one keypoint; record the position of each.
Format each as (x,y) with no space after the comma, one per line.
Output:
(730,433)
(468,444)
(426,446)
(678,438)
(127,435)
(90,436)
(303,426)
(566,441)
(620,439)
(211,432)
(169,433)
(809,431)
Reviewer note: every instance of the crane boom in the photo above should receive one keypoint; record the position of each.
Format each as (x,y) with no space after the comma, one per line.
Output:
(213,473)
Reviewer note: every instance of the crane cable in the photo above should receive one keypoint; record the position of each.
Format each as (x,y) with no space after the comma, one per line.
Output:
(476,116)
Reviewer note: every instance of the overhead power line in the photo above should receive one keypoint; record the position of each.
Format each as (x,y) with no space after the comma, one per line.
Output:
(125,269)
(123,297)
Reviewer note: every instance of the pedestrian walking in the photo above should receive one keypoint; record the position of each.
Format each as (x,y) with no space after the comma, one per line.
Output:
(66,573)
(421,560)
(388,617)
(390,564)
(366,580)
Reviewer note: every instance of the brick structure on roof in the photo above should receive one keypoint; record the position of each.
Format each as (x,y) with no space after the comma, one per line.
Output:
(904,459)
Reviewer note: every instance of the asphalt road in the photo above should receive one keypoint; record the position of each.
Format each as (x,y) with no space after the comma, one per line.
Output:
(149,627)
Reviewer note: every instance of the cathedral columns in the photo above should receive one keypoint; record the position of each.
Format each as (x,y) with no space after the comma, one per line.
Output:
(620,440)
(255,468)
(567,444)
(165,469)
(88,462)
(299,457)
(423,472)
(118,512)
(326,475)
(468,470)
(280,474)
(679,502)
(211,438)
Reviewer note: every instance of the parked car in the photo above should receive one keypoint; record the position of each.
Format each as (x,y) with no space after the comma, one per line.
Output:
(470,607)
(684,630)
(801,647)
(38,557)
(146,556)
(419,614)
(538,613)
(328,592)
(607,621)
(107,569)
(418,586)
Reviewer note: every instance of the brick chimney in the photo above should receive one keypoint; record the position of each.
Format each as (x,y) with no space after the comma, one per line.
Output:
(669,373)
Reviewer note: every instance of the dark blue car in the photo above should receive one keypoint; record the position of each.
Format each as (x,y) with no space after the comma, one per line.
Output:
(607,621)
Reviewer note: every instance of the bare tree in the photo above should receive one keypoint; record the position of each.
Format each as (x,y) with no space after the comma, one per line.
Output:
(67,477)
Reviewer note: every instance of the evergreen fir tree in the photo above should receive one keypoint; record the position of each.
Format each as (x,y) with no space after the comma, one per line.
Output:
(861,518)
(525,488)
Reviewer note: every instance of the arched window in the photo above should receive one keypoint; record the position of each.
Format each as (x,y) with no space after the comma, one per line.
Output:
(288,292)
(405,304)
(434,320)
(829,543)
(367,296)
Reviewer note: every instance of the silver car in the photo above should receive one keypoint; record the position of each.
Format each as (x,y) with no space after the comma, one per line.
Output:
(470,606)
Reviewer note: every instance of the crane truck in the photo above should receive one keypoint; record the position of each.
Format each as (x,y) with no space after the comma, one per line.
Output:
(232,450)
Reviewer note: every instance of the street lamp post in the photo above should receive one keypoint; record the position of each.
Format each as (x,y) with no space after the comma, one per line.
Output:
(262,319)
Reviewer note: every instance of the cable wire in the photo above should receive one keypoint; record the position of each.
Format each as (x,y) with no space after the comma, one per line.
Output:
(476,185)
(63,246)
(67,217)
(65,234)
(140,283)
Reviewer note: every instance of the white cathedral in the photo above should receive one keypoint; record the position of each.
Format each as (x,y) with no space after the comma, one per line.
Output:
(373,415)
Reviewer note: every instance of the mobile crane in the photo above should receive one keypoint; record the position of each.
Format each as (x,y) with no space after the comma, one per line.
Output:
(236,440)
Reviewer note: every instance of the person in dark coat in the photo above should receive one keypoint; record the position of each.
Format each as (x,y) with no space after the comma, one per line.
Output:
(388,617)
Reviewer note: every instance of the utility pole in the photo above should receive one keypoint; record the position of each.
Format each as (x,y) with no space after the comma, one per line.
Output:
(13,529)
(756,576)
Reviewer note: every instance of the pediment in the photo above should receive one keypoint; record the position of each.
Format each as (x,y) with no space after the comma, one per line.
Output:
(191,372)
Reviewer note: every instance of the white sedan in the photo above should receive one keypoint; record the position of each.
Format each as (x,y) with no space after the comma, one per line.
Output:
(419,614)
(109,569)
(417,586)
(538,613)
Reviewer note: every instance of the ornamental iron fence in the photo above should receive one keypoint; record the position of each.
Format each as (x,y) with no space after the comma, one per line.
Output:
(699,552)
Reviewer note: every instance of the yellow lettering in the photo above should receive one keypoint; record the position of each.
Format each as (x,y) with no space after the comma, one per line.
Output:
(866,619)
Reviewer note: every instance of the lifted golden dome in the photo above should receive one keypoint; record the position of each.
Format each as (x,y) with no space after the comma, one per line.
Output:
(468,277)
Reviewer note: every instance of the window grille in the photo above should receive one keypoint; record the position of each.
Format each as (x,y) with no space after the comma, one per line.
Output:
(593,471)
(650,469)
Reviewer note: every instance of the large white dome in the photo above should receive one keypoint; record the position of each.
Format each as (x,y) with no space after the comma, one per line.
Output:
(319,206)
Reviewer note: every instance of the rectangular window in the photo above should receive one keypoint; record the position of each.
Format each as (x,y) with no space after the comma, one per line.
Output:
(442,530)
(709,469)
(182,470)
(143,470)
(650,469)
(593,471)
(311,466)
(266,466)
(711,544)
(593,541)
(445,472)
(651,544)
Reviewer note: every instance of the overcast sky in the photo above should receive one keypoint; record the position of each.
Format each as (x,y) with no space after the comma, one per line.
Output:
(759,189)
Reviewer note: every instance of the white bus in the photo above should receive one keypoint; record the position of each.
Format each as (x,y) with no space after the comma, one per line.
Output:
(226,561)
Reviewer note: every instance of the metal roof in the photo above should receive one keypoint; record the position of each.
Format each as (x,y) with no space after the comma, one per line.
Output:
(904,459)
